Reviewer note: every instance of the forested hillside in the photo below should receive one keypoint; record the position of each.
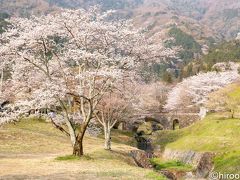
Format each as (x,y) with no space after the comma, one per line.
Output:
(195,25)
(106,4)
(219,18)
(225,52)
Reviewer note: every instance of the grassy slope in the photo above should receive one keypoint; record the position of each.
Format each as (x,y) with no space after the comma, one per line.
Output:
(28,150)
(213,134)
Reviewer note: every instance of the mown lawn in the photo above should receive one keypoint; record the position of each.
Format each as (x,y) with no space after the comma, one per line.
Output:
(213,134)
(33,149)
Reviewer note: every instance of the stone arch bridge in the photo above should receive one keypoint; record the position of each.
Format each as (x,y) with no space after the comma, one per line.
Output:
(172,120)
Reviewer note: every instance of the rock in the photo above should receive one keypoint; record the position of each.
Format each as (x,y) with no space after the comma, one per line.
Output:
(174,175)
(188,157)
(238,36)
(141,158)
(205,165)
(169,175)
(145,128)
(157,151)
(157,127)
(149,126)
(202,162)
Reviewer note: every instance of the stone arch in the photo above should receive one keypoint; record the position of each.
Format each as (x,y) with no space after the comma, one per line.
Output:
(176,124)
(121,125)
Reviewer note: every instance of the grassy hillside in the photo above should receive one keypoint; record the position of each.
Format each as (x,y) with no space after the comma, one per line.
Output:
(226,101)
(213,134)
(33,149)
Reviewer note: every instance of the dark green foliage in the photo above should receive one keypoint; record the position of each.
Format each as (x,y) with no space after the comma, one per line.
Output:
(167,77)
(160,13)
(193,68)
(224,52)
(157,71)
(4,15)
(227,51)
(187,42)
(183,39)
(3,22)
(210,41)
(230,13)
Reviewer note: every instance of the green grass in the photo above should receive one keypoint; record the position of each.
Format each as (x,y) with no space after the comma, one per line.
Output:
(228,162)
(235,93)
(155,176)
(33,149)
(170,165)
(213,134)
(32,136)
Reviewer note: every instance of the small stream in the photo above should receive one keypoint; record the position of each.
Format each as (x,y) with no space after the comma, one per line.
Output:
(144,143)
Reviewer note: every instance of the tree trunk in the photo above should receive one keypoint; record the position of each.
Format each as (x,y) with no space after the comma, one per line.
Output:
(107,133)
(1,82)
(232,114)
(78,148)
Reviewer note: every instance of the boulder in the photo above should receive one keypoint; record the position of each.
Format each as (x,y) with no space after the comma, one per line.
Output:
(148,127)
(141,158)
(145,128)
(201,161)
(205,165)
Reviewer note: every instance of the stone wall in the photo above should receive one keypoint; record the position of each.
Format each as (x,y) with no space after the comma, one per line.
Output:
(202,162)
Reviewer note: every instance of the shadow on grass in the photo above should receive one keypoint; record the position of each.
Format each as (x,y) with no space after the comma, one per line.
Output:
(73,158)
(96,155)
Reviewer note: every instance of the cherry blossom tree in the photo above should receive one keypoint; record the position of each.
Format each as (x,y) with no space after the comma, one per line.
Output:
(152,97)
(195,90)
(70,60)
(114,108)
(118,106)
